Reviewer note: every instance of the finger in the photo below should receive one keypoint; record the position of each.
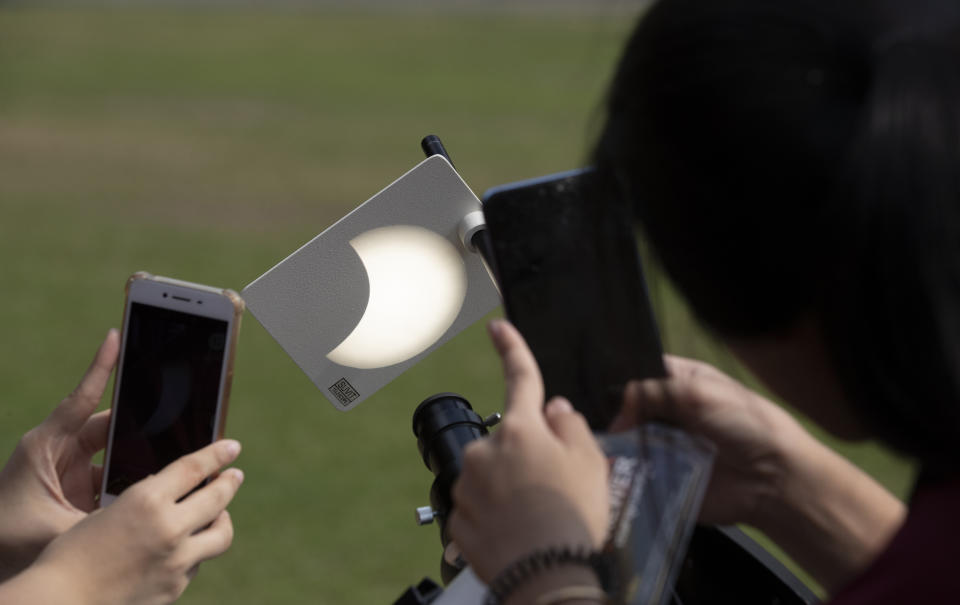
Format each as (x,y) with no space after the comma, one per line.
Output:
(684,401)
(463,530)
(72,413)
(460,530)
(202,506)
(477,462)
(566,423)
(211,542)
(647,401)
(93,435)
(96,478)
(627,416)
(691,369)
(186,473)
(522,375)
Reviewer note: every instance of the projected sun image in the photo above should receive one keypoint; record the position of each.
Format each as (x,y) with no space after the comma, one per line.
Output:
(417,286)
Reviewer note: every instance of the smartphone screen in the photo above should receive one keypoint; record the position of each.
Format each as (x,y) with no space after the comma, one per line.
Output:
(168,392)
(572,283)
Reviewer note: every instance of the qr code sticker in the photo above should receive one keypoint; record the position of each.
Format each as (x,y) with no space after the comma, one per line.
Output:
(344,392)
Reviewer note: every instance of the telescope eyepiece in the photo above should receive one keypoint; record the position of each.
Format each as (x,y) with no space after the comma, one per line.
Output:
(443,424)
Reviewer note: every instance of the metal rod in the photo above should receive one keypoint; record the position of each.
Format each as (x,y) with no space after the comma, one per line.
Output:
(432,145)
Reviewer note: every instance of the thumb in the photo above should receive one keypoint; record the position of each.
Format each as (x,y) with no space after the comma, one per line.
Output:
(566,423)
(73,412)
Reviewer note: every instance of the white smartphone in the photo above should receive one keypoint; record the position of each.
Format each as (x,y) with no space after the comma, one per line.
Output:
(173,379)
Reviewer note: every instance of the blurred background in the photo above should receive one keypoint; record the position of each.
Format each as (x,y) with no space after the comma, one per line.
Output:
(206,141)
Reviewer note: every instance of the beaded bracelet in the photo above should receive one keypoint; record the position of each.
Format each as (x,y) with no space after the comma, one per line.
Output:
(539,560)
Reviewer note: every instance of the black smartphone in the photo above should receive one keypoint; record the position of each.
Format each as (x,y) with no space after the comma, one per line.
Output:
(569,271)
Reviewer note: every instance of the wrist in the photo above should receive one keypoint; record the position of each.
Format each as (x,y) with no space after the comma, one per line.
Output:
(551,580)
(60,580)
(829,515)
(542,573)
(790,477)
(43,584)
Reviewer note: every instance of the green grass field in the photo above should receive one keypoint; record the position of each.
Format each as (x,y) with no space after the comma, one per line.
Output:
(207,145)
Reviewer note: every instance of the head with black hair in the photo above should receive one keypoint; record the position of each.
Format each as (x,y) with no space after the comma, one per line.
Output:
(796,167)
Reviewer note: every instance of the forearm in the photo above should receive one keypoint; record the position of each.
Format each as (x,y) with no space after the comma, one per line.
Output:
(830,516)
(42,584)
(17,552)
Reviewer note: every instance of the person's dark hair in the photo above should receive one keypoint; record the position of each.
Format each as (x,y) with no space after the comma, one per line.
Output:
(802,158)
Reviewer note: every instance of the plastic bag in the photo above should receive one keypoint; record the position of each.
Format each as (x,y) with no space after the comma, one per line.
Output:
(658,477)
